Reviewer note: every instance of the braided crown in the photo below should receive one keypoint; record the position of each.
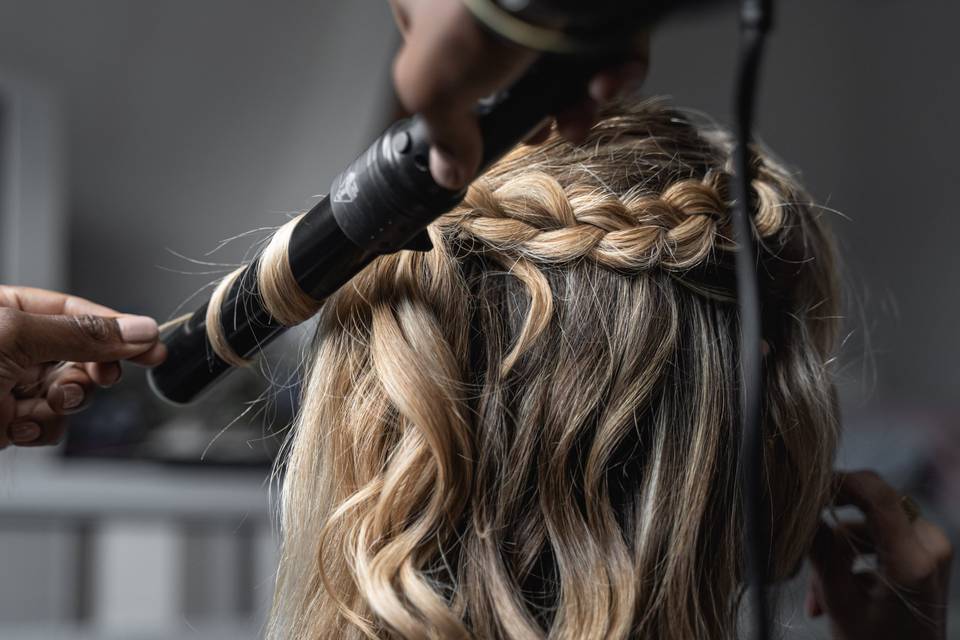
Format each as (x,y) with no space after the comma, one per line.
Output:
(535,217)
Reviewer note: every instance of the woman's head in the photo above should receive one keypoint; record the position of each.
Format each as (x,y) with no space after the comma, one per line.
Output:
(531,430)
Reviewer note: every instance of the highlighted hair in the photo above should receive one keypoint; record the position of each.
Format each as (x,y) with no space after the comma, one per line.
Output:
(531,430)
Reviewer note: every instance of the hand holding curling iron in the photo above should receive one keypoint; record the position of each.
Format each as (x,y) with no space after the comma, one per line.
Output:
(449,62)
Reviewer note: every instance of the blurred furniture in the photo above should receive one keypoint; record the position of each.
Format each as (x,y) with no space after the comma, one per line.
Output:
(132,550)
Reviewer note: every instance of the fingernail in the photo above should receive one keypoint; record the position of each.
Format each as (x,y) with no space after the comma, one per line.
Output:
(24,433)
(138,329)
(72,396)
(444,170)
(602,89)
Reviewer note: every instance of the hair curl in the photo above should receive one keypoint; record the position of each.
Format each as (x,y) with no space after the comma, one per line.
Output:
(530,431)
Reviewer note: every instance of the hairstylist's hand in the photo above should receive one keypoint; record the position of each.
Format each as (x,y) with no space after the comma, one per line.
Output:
(906,597)
(448,62)
(54,349)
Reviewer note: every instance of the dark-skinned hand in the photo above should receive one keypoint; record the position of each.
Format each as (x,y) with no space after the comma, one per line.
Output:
(55,350)
(906,596)
(448,62)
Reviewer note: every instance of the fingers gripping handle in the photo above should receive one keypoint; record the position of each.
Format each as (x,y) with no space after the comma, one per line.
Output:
(380,204)
(387,197)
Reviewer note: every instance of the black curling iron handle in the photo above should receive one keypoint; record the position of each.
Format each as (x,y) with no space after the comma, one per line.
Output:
(380,204)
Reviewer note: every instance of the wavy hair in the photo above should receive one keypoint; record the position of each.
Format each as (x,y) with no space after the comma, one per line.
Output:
(531,430)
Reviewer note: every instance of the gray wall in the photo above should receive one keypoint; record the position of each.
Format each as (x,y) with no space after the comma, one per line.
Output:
(33,235)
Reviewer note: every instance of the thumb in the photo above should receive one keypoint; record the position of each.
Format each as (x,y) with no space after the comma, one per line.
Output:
(458,148)
(38,338)
(447,63)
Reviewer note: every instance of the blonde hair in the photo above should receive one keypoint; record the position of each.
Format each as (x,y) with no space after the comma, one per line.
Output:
(531,430)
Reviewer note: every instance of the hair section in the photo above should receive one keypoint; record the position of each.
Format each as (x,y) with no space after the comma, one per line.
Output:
(531,430)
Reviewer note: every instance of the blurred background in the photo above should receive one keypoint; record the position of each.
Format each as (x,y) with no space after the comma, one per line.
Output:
(137,138)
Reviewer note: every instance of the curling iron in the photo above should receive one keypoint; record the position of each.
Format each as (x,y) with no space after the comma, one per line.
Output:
(380,204)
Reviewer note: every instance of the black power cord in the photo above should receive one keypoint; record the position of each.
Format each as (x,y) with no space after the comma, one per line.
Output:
(755,23)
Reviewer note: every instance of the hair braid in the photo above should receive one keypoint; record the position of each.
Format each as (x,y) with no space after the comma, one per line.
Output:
(535,217)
